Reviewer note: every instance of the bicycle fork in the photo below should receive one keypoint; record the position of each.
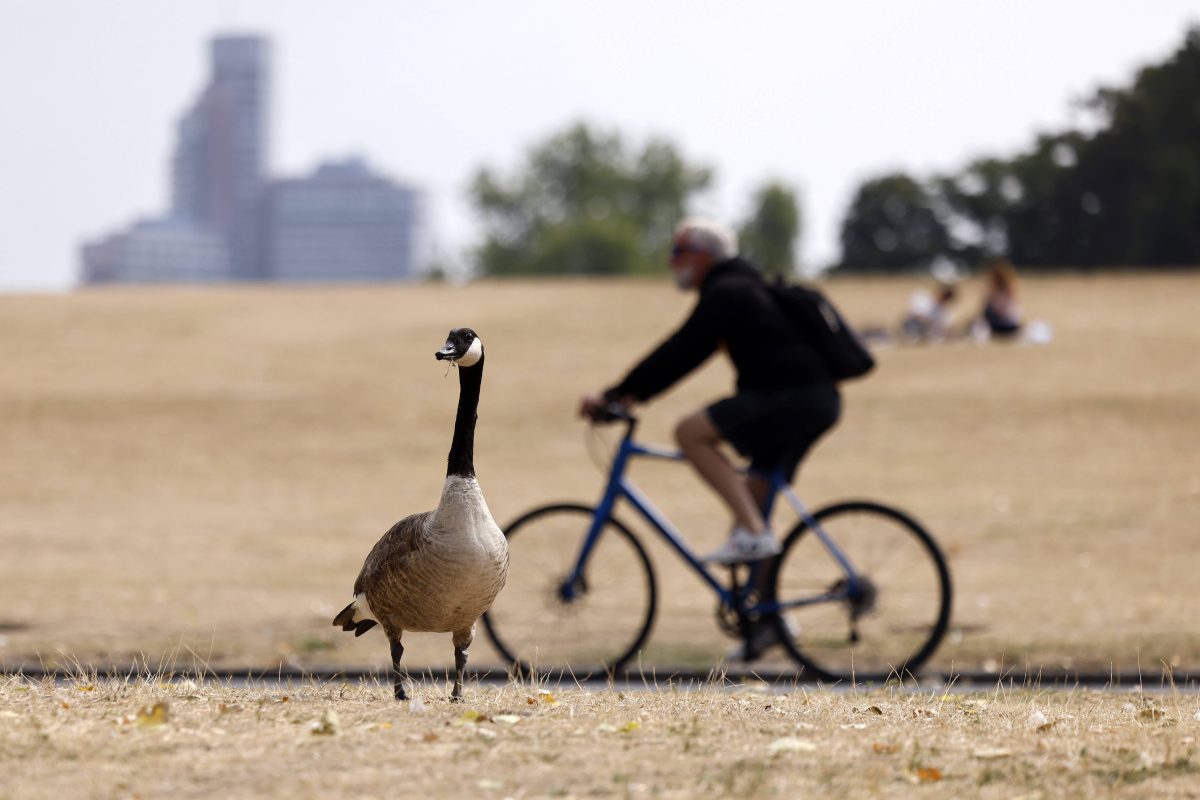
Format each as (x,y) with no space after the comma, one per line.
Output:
(855,587)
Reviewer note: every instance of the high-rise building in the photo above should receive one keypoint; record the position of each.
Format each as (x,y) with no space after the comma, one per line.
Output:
(220,162)
(228,221)
(343,222)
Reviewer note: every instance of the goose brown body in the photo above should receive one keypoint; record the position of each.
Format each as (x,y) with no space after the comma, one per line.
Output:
(437,571)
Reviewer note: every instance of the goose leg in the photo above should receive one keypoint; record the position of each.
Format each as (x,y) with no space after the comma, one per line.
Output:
(397,673)
(462,640)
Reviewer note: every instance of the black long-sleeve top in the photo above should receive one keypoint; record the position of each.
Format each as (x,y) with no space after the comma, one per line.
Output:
(737,312)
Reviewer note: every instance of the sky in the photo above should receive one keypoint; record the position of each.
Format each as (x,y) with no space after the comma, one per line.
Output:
(819,96)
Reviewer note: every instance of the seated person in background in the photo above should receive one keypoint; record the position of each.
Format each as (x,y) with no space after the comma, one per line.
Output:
(928,317)
(1001,314)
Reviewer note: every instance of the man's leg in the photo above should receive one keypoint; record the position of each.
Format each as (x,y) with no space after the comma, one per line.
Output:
(700,440)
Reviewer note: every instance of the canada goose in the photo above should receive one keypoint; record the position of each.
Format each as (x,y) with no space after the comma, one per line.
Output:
(440,570)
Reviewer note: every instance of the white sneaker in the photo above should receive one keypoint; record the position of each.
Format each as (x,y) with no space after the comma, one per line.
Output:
(743,546)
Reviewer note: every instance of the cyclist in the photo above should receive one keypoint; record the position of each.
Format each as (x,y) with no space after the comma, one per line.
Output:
(785,398)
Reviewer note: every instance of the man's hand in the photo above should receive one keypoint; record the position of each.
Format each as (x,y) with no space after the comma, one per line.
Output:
(590,404)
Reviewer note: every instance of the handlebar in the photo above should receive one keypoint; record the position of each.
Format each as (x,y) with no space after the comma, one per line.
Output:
(614,412)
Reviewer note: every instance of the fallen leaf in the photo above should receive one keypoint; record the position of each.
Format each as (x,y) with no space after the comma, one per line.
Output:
(488,783)
(885,749)
(875,710)
(327,725)
(430,737)
(157,714)
(506,719)
(1151,715)
(472,717)
(991,753)
(791,744)
(546,697)
(88,688)
(630,726)
(65,704)
(928,774)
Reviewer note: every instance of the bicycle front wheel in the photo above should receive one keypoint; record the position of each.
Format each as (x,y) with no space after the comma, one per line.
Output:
(884,621)
(546,623)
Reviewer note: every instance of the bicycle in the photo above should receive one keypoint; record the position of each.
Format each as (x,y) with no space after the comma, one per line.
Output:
(581,594)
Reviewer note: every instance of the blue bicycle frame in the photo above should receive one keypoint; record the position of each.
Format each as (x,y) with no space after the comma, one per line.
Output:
(619,486)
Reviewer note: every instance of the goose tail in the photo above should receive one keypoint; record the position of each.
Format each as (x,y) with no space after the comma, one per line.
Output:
(355,617)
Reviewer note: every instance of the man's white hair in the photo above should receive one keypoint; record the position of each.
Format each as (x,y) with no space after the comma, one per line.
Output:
(710,237)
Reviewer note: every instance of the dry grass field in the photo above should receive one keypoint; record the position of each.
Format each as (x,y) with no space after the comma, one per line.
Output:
(193,477)
(143,738)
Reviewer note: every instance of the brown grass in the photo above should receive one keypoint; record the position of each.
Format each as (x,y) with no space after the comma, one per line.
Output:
(205,470)
(148,738)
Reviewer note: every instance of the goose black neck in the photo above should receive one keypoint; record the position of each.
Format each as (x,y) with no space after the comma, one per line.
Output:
(461,461)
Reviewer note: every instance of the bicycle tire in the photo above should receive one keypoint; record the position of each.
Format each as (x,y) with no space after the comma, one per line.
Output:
(912,595)
(540,633)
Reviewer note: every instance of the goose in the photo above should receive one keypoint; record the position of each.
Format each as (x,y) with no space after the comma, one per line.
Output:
(439,570)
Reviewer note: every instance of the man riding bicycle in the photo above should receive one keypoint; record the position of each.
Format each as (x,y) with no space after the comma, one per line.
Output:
(785,399)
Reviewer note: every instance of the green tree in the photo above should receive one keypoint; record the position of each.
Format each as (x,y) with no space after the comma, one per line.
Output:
(1125,192)
(769,236)
(892,226)
(584,203)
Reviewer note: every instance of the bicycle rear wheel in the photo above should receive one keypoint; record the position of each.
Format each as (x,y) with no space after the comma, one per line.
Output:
(544,625)
(889,621)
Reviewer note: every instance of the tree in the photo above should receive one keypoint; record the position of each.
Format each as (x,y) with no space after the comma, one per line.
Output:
(892,225)
(769,237)
(583,203)
(1124,193)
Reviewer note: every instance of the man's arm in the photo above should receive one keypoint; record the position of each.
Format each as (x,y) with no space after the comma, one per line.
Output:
(681,353)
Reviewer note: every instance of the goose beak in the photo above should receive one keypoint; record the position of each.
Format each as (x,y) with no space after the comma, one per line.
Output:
(448,353)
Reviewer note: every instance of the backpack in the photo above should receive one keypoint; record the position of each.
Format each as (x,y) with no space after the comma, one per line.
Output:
(843,352)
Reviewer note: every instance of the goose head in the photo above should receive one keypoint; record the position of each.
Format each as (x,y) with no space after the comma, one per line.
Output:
(463,348)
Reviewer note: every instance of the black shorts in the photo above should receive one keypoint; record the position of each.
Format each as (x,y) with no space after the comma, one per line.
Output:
(776,428)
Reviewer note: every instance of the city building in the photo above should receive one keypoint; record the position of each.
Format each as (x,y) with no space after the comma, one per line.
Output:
(220,163)
(229,221)
(342,222)
(158,251)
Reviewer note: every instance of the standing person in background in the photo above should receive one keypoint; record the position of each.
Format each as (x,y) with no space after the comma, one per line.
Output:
(1001,314)
(785,398)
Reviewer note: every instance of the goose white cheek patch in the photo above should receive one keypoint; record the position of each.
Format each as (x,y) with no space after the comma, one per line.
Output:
(473,354)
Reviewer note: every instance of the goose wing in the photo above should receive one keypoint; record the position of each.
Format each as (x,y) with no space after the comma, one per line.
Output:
(394,551)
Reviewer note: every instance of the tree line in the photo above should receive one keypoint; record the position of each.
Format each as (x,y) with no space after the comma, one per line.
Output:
(1122,192)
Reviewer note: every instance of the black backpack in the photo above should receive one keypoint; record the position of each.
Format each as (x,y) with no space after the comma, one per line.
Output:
(842,351)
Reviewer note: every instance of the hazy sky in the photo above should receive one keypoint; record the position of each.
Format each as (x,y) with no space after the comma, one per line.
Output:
(819,95)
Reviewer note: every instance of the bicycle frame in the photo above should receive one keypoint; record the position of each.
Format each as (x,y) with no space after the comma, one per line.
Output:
(618,487)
